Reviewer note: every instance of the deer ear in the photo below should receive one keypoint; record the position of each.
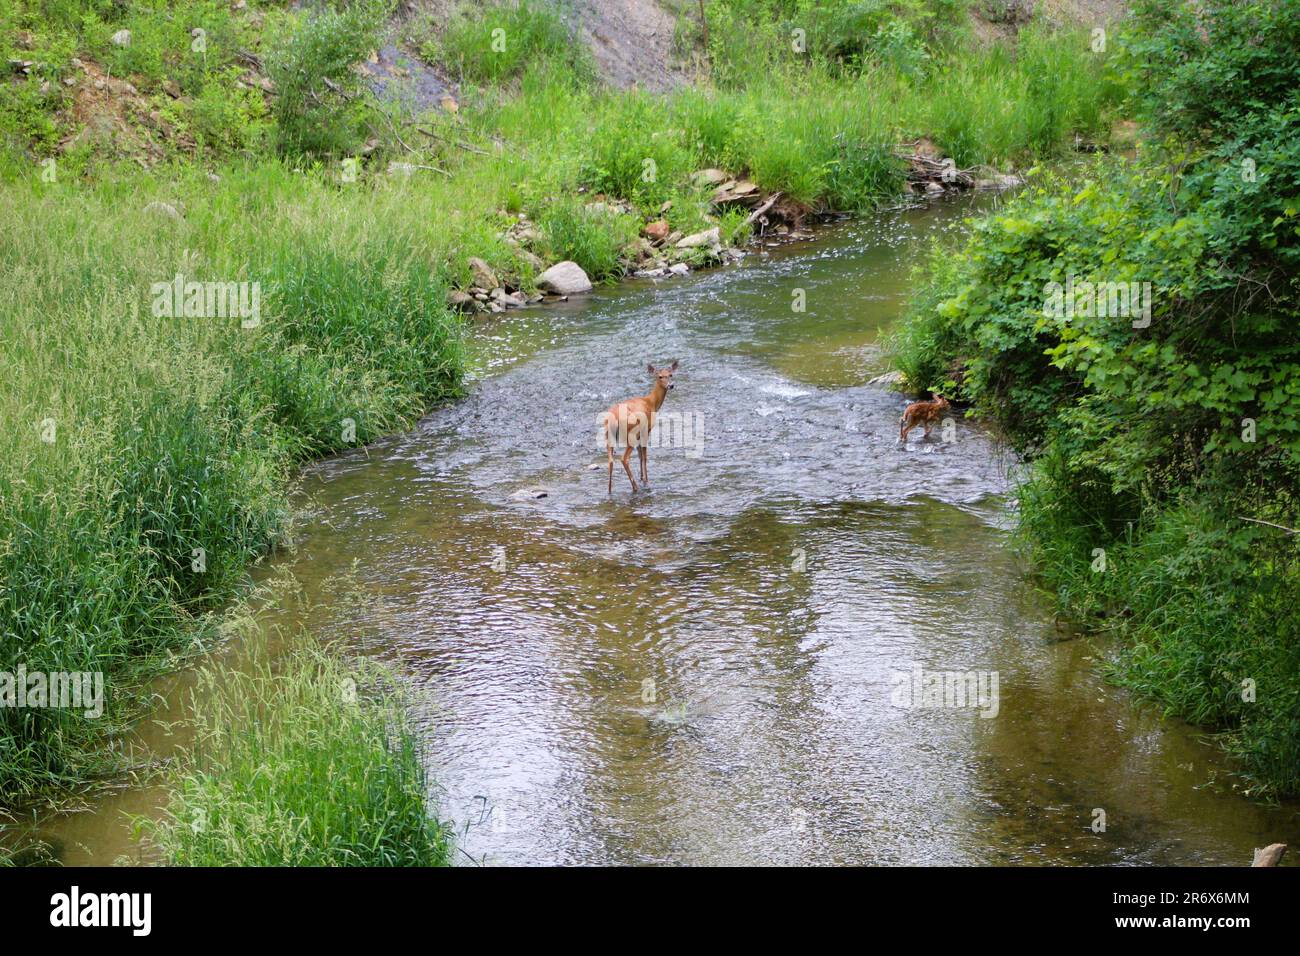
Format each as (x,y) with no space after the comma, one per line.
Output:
(674,365)
(650,368)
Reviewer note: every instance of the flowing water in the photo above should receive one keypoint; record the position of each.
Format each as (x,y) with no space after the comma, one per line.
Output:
(708,671)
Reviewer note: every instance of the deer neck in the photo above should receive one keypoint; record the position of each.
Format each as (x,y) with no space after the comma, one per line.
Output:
(657,396)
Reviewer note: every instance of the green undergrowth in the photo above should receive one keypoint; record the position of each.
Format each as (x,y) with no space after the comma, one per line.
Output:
(1163,496)
(311,761)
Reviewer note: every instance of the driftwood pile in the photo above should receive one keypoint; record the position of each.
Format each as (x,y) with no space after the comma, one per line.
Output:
(768,213)
(930,173)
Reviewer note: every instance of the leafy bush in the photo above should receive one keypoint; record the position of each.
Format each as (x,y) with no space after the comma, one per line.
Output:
(1160,439)
(1207,67)
(634,155)
(316,107)
(843,36)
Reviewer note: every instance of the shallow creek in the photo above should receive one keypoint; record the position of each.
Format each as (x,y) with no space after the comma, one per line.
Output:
(708,672)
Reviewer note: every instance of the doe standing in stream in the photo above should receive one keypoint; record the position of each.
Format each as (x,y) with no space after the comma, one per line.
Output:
(629,423)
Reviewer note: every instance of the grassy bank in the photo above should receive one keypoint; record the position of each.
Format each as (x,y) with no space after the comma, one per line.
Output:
(150,457)
(311,763)
(152,454)
(1165,441)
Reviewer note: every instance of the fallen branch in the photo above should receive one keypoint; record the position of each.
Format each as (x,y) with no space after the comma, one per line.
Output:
(1280,527)
(455,142)
(436,169)
(771,201)
(923,169)
(396,135)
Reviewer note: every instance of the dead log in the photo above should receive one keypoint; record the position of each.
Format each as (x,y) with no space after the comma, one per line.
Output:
(925,169)
(771,201)
(1271,855)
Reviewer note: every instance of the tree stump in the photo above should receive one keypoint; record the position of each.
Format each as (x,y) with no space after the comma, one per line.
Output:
(1271,855)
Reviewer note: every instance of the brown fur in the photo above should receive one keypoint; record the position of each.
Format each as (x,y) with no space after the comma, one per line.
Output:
(630,423)
(918,413)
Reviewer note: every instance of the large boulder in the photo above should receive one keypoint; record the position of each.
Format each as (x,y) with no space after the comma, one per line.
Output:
(163,209)
(462,301)
(564,278)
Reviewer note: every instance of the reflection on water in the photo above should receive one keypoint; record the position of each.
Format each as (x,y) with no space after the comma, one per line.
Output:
(703,673)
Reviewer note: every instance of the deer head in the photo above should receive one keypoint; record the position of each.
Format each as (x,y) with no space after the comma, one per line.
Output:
(663,376)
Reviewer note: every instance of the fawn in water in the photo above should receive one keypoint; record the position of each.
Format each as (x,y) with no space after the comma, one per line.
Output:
(917,413)
(629,423)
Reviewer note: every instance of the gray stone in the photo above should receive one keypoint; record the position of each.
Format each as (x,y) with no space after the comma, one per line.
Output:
(564,278)
(484,277)
(709,177)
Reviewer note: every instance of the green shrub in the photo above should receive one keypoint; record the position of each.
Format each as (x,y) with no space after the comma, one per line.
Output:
(1158,442)
(634,155)
(1206,68)
(594,240)
(748,37)
(317,108)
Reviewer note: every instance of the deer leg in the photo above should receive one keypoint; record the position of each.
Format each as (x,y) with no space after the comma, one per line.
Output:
(902,433)
(609,449)
(644,453)
(626,455)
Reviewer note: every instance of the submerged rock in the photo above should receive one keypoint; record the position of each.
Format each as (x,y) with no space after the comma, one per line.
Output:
(530,494)
(1000,181)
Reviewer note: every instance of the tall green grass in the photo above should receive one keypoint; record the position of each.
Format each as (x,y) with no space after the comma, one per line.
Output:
(1200,598)
(497,42)
(148,460)
(311,762)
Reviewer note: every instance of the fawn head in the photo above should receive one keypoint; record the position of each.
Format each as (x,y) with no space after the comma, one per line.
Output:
(940,403)
(664,376)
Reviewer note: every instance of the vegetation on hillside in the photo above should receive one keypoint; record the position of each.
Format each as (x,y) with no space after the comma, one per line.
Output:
(1166,448)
